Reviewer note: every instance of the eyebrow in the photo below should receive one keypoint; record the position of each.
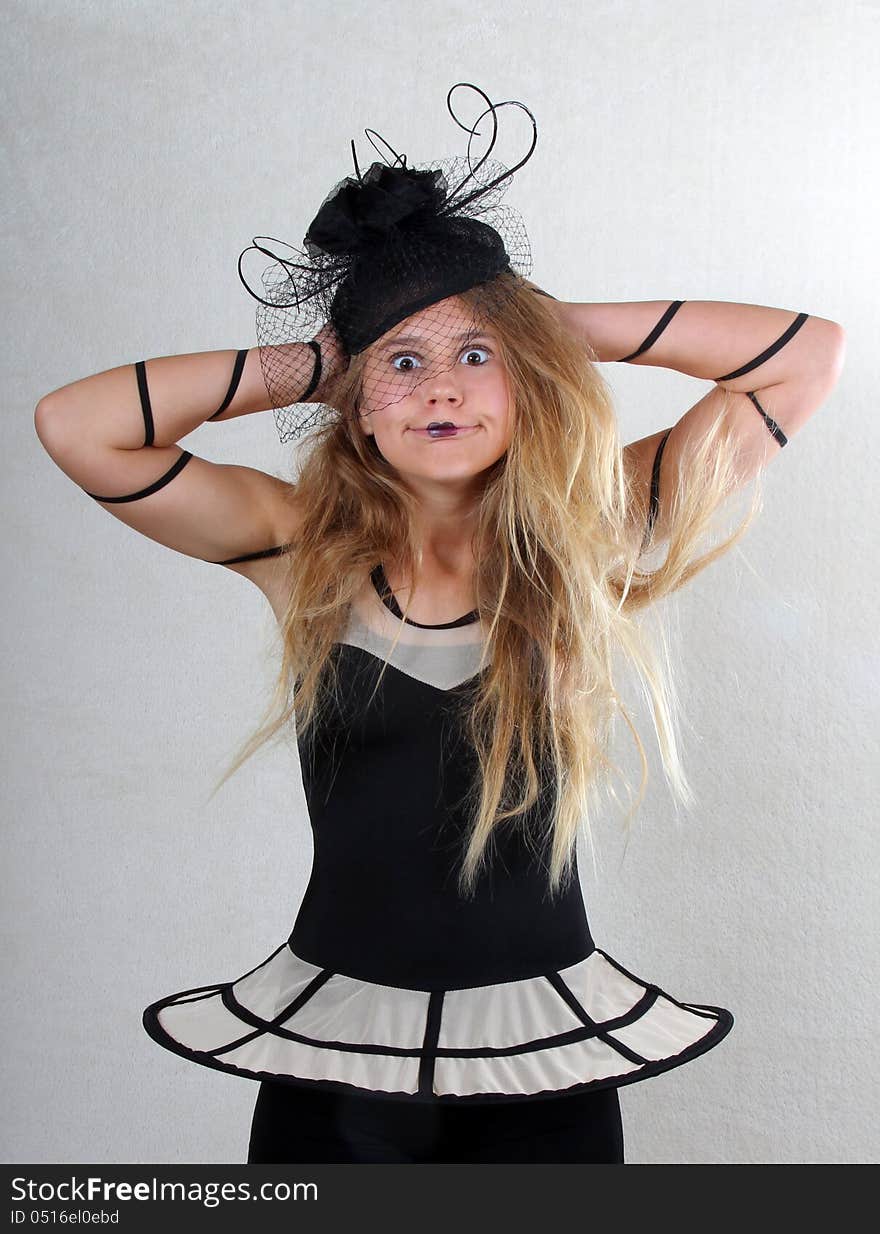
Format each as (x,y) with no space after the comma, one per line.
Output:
(418,338)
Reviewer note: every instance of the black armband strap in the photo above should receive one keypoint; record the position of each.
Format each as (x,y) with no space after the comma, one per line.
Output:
(277,550)
(237,371)
(654,503)
(773,428)
(152,488)
(656,332)
(771,350)
(143,390)
(316,372)
(149,433)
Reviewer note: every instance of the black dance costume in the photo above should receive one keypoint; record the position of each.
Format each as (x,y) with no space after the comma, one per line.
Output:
(400,1022)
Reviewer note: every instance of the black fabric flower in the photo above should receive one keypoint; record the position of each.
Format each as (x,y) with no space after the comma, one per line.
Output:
(359,211)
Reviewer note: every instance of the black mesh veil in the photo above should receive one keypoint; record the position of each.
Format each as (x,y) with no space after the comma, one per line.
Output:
(389,246)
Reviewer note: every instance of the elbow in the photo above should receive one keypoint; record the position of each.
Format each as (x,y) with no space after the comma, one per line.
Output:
(836,353)
(43,408)
(836,341)
(840,337)
(829,354)
(46,421)
(41,415)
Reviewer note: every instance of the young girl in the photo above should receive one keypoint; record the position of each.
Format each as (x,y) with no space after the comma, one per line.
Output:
(455,572)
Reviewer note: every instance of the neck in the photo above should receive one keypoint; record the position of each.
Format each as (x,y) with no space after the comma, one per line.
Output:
(445,522)
(446,541)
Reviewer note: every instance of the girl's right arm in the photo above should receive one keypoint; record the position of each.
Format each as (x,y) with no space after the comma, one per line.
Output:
(115,433)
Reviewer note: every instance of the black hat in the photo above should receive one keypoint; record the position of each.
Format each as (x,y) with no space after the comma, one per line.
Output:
(383,246)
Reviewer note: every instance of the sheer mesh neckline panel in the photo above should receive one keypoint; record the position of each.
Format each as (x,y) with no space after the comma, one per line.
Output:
(440,656)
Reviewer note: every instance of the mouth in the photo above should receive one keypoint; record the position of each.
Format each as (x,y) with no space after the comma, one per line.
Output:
(444,434)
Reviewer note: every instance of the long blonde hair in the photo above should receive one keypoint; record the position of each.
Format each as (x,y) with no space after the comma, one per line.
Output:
(561,576)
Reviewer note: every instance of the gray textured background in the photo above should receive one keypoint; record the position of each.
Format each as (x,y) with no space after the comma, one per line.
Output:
(685,151)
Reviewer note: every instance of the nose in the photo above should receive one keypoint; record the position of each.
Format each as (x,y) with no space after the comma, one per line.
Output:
(442,389)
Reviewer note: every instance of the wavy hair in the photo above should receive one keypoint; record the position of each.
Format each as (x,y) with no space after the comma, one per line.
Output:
(562,580)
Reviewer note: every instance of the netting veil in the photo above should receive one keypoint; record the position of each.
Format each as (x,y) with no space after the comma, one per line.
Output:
(389,246)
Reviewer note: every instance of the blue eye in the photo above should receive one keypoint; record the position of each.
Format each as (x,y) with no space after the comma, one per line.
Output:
(410,355)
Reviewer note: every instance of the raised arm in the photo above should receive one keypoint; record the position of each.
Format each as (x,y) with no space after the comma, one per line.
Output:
(115,433)
(783,364)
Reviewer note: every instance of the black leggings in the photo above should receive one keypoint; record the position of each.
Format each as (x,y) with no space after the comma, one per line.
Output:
(294,1124)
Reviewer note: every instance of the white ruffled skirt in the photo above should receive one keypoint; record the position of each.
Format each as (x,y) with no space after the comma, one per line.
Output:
(590,1025)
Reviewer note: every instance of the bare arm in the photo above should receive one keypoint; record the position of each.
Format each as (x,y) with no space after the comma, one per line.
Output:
(115,433)
(781,364)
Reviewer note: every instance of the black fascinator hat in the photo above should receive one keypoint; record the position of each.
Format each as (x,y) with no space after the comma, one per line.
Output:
(384,245)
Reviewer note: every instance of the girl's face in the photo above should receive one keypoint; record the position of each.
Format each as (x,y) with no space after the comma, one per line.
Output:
(452,372)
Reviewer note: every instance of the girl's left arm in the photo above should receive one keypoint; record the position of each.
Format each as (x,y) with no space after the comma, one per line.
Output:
(783,364)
